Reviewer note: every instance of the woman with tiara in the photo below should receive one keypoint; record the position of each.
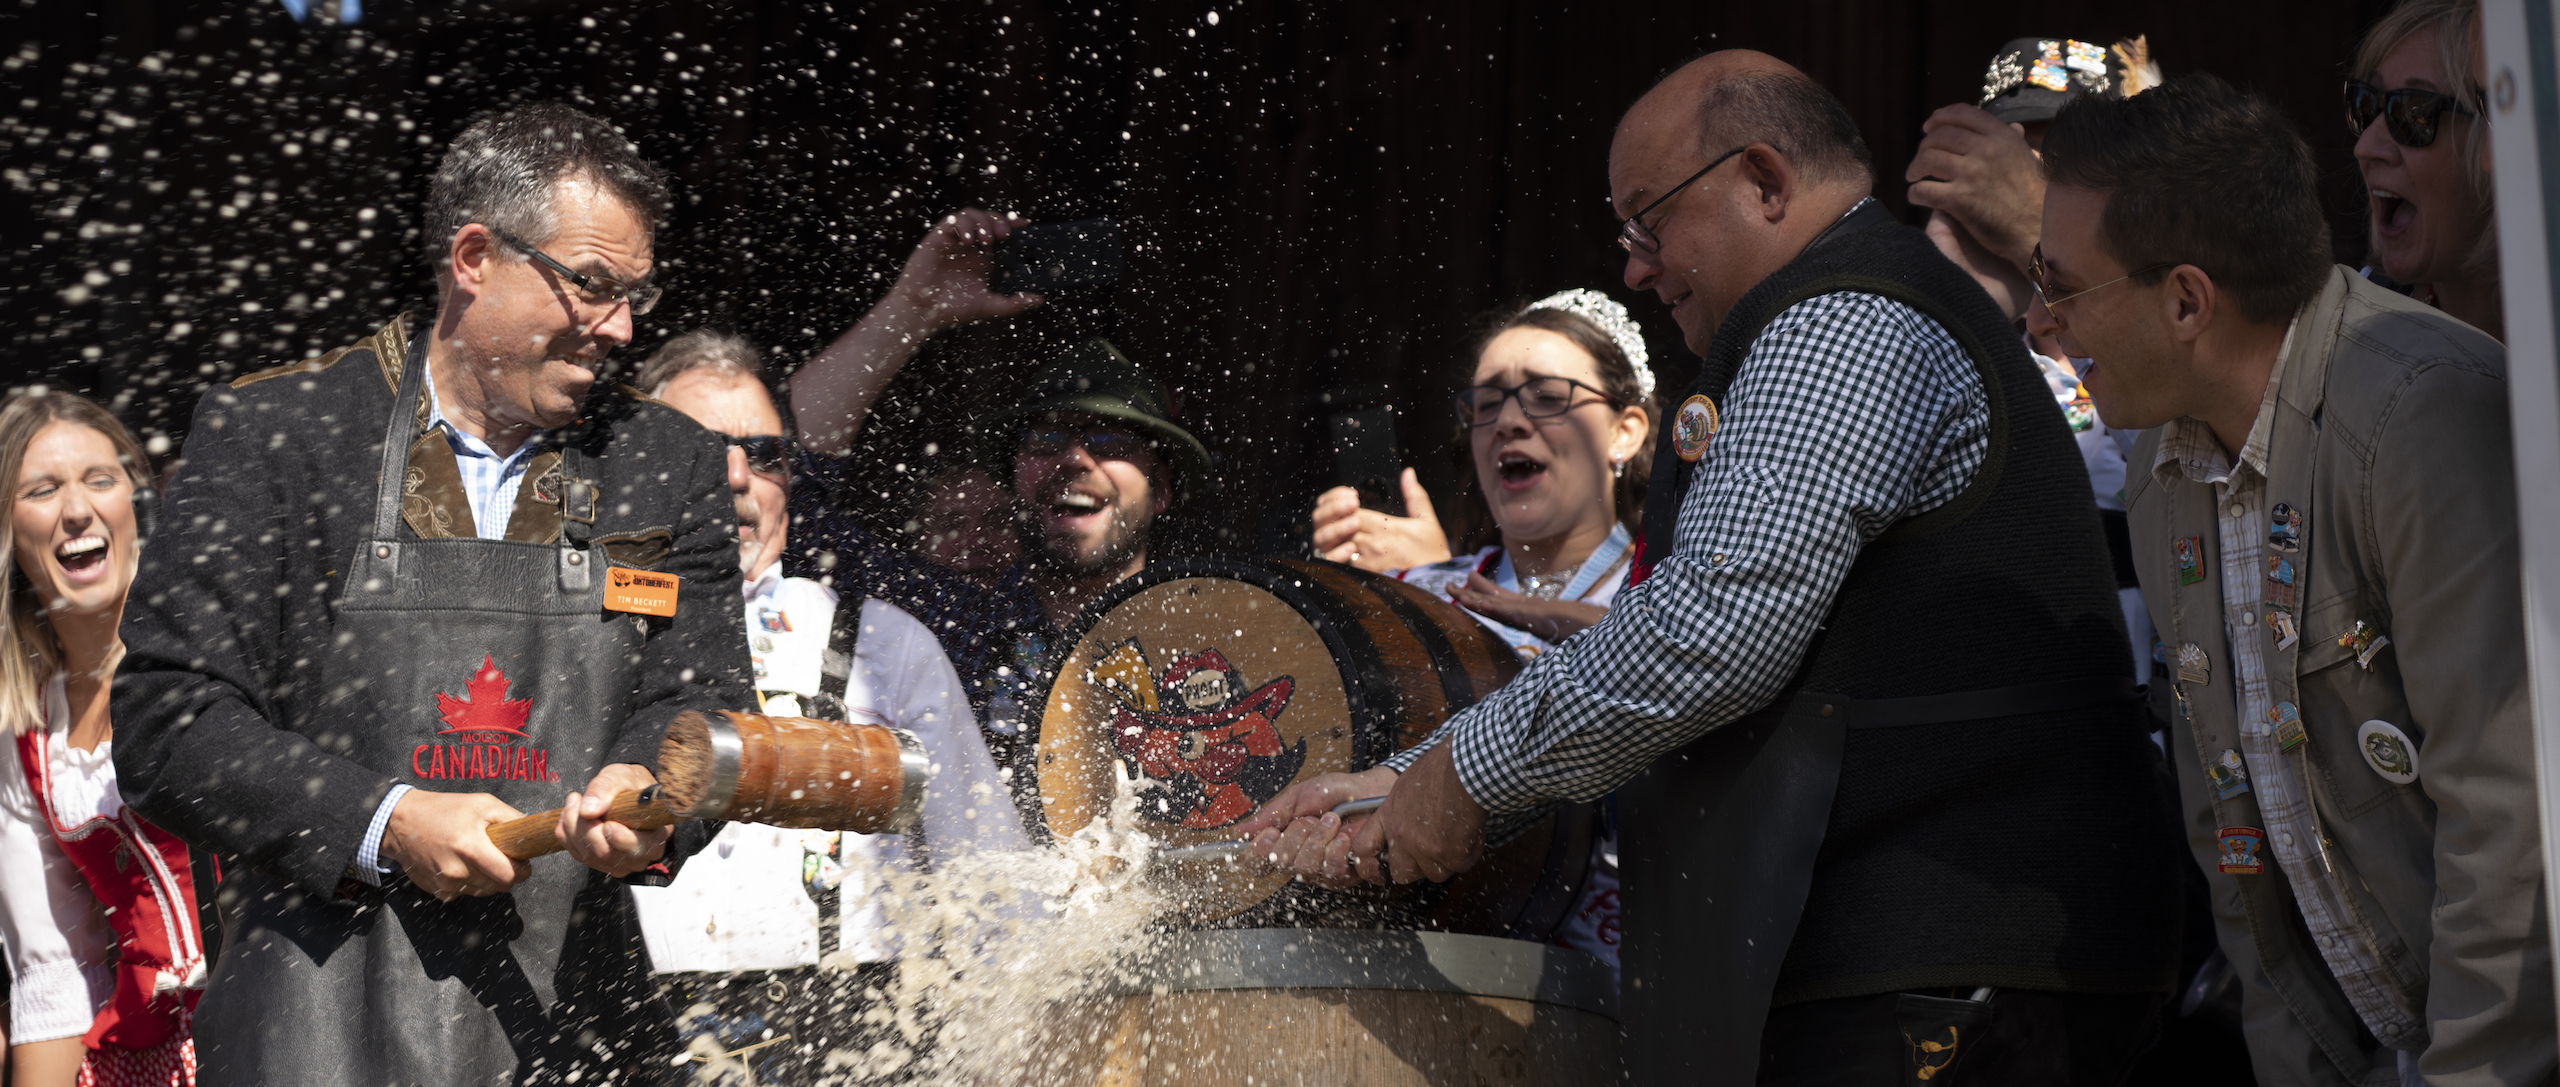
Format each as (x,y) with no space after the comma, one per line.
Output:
(1558,421)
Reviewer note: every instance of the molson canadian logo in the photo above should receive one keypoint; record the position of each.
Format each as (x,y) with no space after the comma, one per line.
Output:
(486,725)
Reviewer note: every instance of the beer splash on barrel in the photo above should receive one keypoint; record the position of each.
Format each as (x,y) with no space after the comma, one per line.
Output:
(1001,953)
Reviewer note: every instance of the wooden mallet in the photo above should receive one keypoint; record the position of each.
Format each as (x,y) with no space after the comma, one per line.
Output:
(780,771)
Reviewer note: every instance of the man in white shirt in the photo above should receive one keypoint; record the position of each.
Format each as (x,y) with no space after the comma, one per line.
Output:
(737,930)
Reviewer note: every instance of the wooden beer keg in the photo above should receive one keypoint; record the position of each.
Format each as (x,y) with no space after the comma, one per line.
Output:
(1225,681)
(1332,1006)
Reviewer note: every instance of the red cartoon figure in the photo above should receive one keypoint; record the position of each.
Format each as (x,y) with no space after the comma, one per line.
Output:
(1212,750)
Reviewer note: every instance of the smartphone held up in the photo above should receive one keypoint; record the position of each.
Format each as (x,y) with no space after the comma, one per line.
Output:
(1049,257)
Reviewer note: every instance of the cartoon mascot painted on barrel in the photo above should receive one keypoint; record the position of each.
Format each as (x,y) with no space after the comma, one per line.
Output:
(1212,750)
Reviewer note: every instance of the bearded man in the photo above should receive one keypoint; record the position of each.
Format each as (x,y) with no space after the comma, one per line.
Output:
(1092,454)
(1091,457)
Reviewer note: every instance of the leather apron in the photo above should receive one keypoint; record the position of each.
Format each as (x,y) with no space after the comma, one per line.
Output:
(460,665)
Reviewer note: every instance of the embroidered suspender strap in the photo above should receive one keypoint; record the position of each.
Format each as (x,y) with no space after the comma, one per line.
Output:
(835,670)
(2056,696)
(396,437)
(835,677)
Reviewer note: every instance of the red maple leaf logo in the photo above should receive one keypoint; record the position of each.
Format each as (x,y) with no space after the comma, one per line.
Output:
(488,709)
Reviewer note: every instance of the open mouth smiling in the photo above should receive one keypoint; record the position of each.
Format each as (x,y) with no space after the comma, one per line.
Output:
(82,556)
(1071,504)
(1517,469)
(2392,212)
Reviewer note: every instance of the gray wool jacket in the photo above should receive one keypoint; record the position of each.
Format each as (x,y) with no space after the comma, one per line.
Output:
(2390,436)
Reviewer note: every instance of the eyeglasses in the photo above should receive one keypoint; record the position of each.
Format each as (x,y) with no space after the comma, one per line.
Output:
(2038,276)
(1044,441)
(1539,397)
(1633,235)
(770,454)
(2411,115)
(594,290)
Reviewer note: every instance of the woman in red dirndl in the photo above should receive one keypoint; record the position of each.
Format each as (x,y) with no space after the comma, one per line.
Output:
(97,906)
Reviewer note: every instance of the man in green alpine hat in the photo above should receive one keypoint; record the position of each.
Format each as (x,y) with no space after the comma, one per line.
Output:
(1095,460)
(1092,455)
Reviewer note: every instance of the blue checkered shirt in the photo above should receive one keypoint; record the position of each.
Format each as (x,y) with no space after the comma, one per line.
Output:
(492,482)
(1850,412)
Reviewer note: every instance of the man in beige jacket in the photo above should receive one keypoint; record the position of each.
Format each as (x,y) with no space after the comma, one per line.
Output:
(2324,526)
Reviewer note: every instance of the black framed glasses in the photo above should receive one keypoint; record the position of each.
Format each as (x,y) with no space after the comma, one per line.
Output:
(1633,235)
(1102,444)
(770,454)
(2413,117)
(1539,397)
(594,290)
(2039,278)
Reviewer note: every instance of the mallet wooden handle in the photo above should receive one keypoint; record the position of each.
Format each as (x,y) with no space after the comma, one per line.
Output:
(529,836)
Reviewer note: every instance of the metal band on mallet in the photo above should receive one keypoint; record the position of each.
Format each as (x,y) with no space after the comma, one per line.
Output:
(1219,851)
(917,770)
(727,751)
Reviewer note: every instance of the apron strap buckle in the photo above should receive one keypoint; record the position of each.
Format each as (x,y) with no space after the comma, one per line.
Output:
(577,520)
(577,507)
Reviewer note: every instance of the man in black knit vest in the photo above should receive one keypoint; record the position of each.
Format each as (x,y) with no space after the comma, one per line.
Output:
(1885,797)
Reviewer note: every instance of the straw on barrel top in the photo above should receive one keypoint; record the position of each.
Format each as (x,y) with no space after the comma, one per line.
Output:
(781,771)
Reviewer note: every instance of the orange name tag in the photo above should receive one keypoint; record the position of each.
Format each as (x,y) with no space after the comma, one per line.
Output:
(640,591)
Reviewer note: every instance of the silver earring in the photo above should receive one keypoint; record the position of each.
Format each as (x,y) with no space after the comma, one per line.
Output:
(1618,468)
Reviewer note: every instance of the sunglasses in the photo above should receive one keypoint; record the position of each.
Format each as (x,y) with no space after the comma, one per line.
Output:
(767,453)
(2413,117)
(1102,444)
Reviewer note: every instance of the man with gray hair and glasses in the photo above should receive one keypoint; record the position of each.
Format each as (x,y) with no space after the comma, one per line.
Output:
(421,585)
(736,943)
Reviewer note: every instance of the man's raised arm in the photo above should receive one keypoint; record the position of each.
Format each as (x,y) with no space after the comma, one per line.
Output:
(943,286)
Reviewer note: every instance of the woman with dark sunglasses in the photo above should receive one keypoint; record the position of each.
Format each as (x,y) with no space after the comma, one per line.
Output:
(2422,143)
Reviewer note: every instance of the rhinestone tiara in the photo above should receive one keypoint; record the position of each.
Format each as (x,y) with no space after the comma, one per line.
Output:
(1604,311)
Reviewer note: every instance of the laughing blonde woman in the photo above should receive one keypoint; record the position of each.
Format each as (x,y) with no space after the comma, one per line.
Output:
(96,906)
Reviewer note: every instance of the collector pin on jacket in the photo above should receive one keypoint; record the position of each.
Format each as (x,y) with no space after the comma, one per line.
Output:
(2394,655)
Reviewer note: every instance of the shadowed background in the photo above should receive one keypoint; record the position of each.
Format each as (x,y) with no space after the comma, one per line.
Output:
(1322,199)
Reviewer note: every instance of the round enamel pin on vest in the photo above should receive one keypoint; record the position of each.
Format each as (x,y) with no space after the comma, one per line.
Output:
(1693,427)
(2388,751)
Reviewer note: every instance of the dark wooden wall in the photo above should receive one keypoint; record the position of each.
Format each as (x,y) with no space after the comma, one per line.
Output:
(1321,197)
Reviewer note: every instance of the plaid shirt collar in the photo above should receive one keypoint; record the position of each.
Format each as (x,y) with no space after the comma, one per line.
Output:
(2188,447)
(490,481)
